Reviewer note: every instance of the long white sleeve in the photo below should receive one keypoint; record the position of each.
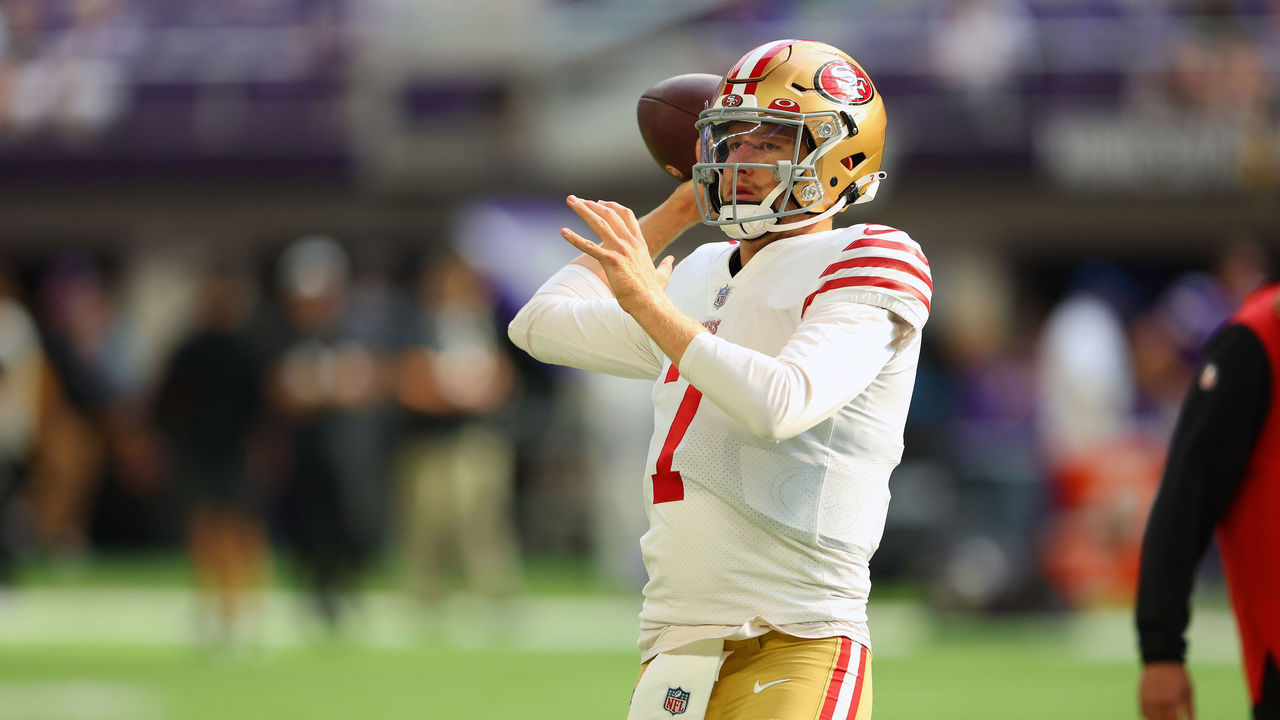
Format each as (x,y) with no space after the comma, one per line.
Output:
(574,320)
(834,354)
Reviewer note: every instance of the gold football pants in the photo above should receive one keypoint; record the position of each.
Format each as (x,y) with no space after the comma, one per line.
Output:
(780,677)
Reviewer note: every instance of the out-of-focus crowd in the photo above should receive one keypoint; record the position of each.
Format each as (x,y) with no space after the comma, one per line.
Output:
(348,414)
(76,72)
(328,410)
(345,410)
(1175,96)
(1041,417)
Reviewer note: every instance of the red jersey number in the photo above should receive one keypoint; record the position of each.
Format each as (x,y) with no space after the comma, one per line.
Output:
(668,486)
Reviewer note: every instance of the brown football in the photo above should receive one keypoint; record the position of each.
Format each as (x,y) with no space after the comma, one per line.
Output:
(666,113)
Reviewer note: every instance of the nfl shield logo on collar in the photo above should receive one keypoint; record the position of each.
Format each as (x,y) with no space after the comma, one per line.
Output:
(721,296)
(677,701)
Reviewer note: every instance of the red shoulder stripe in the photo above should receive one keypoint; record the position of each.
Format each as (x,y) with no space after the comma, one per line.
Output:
(864,281)
(879,262)
(887,245)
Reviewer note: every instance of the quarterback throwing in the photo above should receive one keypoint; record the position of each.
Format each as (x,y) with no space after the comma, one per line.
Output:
(783,362)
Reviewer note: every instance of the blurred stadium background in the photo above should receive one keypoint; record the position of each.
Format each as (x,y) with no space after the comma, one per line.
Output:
(356,500)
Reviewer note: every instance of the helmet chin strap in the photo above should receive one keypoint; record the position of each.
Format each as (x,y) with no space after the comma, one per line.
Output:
(752,229)
(745,228)
(749,229)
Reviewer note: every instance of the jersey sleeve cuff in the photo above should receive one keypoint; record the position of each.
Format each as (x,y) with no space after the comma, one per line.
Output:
(696,354)
(1162,651)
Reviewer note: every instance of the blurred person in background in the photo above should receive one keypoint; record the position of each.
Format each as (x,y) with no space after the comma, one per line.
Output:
(1084,366)
(74,81)
(20,26)
(455,461)
(96,427)
(988,427)
(1169,336)
(979,49)
(1215,87)
(22,368)
(208,404)
(327,383)
(1222,473)
(1102,473)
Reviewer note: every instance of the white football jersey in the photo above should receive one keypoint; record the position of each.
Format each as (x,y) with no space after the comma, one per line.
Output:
(766,484)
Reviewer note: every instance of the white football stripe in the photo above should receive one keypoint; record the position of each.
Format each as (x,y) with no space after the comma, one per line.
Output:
(744,72)
(887,273)
(850,682)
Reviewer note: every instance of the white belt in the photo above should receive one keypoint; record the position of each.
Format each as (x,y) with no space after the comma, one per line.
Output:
(678,683)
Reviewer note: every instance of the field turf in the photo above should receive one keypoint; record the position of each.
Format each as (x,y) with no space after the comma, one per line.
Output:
(569,655)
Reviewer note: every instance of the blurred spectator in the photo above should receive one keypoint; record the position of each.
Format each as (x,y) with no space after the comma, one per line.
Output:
(1168,337)
(327,381)
(92,425)
(986,561)
(21,374)
(1216,83)
(1103,474)
(76,80)
(1217,74)
(455,461)
(1084,366)
(980,48)
(207,406)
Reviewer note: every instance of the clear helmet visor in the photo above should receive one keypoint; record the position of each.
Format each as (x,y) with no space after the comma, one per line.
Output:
(754,163)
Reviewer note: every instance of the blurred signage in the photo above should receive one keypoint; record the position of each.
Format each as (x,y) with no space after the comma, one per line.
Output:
(1159,156)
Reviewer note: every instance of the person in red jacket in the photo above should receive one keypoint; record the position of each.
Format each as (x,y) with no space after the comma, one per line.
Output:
(1223,473)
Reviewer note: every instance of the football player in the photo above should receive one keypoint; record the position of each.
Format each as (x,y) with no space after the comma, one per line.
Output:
(783,363)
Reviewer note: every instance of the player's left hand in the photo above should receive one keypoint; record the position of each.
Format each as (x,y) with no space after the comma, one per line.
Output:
(622,251)
(1164,692)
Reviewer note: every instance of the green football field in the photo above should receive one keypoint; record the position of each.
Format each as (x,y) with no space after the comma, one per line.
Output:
(118,647)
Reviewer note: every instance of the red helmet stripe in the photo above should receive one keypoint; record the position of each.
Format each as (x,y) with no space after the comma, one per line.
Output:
(754,63)
(734,71)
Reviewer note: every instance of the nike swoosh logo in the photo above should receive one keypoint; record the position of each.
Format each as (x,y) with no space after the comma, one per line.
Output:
(883,231)
(758,688)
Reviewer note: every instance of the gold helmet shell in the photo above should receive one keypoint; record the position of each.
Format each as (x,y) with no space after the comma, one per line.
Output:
(828,104)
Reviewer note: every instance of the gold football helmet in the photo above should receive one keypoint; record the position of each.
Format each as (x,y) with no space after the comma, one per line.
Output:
(794,136)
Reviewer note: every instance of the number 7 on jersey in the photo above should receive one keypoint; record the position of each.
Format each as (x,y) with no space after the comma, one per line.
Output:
(668,486)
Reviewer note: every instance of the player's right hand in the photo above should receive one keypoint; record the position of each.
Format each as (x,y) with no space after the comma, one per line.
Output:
(1164,692)
(622,252)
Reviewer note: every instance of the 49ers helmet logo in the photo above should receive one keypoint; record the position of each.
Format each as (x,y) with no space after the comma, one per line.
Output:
(843,82)
(732,100)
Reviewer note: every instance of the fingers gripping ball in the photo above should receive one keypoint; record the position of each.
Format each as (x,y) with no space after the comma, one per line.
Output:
(666,113)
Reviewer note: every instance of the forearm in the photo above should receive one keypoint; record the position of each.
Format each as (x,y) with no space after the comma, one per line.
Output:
(668,221)
(669,327)
(823,366)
